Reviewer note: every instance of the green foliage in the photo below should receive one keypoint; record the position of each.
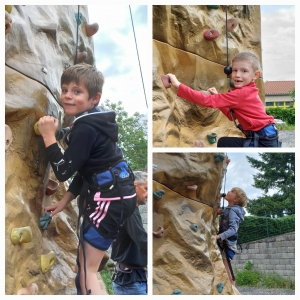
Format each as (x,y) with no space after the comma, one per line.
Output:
(247,276)
(292,94)
(285,114)
(106,275)
(132,135)
(255,228)
(251,277)
(276,174)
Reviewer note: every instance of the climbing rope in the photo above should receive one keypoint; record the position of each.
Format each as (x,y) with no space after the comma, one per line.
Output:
(227,69)
(78,21)
(138,56)
(224,186)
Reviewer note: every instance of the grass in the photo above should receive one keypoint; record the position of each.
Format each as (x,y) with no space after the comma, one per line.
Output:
(106,275)
(285,127)
(251,277)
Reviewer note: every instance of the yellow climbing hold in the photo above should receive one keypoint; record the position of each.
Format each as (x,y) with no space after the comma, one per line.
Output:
(36,128)
(47,261)
(8,8)
(21,235)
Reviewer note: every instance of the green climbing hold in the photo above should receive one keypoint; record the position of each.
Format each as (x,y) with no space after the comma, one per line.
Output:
(212,138)
(231,83)
(177,292)
(45,220)
(194,227)
(159,194)
(219,157)
(213,6)
(220,287)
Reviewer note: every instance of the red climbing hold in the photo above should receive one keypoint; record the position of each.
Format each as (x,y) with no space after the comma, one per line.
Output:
(166,81)
(211,34)
(231,24)
(91,29)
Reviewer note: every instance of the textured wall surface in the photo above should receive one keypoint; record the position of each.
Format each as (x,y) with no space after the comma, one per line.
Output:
(185,259)
(40,44)
(180,48)
(271,255)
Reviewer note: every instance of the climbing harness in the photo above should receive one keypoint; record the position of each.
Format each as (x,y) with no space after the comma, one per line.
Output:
(105,181)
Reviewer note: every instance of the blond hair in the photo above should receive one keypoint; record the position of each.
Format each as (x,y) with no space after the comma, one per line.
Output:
(86,75)
(241,196)
(250,57)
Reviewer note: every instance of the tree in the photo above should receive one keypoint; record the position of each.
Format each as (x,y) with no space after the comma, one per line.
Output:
(132,135)
(277,175)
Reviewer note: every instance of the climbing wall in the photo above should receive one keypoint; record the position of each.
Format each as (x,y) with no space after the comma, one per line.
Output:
(40,42)
(190,42)
(186,258)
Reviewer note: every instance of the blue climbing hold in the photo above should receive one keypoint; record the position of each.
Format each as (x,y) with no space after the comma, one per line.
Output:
(78,18)
(220,287)
(194,227)
(177,292)
(45,220)
(159,194)
(219,157)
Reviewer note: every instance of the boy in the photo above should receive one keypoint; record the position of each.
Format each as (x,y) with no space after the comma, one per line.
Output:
(242,103)
(232,216)
(103,179)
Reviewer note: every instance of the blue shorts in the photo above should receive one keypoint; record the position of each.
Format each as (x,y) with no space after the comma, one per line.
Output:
(96,240)
(135,288)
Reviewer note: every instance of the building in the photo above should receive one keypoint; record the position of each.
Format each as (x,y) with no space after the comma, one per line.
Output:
(277,94)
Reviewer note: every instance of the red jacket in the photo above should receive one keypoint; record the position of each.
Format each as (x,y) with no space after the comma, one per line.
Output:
(248,108)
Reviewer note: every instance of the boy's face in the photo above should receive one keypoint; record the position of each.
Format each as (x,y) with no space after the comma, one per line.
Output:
(75,98)
(243,73)
(231,198)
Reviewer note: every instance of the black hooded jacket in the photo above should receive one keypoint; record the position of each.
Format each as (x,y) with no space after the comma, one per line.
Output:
(92,148)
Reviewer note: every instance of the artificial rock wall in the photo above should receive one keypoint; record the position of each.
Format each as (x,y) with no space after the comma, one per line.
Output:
(185,254)
(179,47)
(40,42)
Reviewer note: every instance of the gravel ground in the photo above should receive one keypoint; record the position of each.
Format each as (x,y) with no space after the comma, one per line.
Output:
(259,291)
(287,137)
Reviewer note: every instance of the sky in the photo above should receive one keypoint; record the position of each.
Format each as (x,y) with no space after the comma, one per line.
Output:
(116,54)
(118,57)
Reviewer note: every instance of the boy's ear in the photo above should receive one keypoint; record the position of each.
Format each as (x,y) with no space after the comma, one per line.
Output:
(256,75)
(96,98)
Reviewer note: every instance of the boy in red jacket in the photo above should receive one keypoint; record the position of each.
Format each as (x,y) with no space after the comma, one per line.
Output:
(242,103)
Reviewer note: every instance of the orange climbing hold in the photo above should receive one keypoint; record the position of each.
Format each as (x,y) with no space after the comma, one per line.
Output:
(211,34)
(91,29)
(8,22)
(31,289)
(52,187)
(231,24)
(166,81)
(8,137)
(159,233)
(81,57)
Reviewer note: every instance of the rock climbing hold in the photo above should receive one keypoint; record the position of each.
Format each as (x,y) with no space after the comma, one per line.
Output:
(194,227)
(21,235)
(166,81)
(177,292)
(219,157)
(212,138)
(211,34)
(47,261)
(8,8)
(228,70)
(220,287)
(158,194)
(159,233)
(199,144)
(231,24)
(192,187)
(81,57)
(45,220)
(36,128)
(52,187)
(8,137)
(231,83)
(213,6)
(8,22)
(31,289)
(91,29)
(219,211)
(78,17)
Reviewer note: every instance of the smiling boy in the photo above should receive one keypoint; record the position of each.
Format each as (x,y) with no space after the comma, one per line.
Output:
(103,178)
(242,103)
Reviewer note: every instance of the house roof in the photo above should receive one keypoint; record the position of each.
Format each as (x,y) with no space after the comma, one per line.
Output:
(278,87)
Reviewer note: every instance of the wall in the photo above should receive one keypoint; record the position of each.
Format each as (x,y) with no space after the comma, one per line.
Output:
(274,254)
